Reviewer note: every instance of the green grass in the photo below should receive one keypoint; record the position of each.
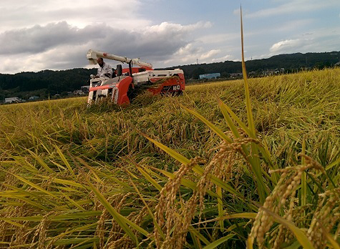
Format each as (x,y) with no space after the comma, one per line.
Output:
(154,174)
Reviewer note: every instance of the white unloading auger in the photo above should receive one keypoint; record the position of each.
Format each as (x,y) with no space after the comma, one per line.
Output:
(93,55)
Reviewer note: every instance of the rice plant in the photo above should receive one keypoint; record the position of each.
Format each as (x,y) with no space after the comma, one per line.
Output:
(231,164)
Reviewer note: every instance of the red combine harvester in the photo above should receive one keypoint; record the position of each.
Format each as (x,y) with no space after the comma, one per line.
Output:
(131,81)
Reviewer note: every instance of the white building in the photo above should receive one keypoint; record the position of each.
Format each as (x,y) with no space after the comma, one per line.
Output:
(12,100)
(209,76)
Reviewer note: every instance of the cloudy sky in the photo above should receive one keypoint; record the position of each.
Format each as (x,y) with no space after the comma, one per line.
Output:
(56,34)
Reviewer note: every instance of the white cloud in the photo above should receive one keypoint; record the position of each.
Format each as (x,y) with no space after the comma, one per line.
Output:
(62,57)
(293,6)
(219,38)
(61,45)
(169,27)
(76,12)
(187,54)
(286,46)
(209,54)
(39,38)
(190,54)
(314,40)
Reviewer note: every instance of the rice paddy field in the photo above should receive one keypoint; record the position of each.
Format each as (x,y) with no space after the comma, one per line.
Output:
(227,165)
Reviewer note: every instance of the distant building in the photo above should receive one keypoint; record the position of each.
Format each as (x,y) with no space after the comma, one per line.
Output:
(276,71)
(13,100)
(236,75)
(32,98)
(78,92)
(85,89)
(209,76)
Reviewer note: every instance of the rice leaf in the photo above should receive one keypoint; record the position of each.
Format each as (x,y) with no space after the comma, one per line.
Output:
(218,242)
(226,111)
(218,131)
(303,177)
(149,211)
(63,158)
(75,241)
(198,235)
(220,206)
(251,124)
(230,216)
(34,185)
(332,241)
(149,178)
(171,152)
(77,229)
(64,182)
(15,224)
(121,220)
(41,161)
(299,234)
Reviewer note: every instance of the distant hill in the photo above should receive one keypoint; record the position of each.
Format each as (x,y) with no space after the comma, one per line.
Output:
(288,62)
(48,83)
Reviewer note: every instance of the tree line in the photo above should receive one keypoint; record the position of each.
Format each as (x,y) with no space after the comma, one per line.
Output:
(289,62)
(46,83)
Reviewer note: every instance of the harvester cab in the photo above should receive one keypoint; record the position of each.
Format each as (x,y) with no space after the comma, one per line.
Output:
(131,81)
